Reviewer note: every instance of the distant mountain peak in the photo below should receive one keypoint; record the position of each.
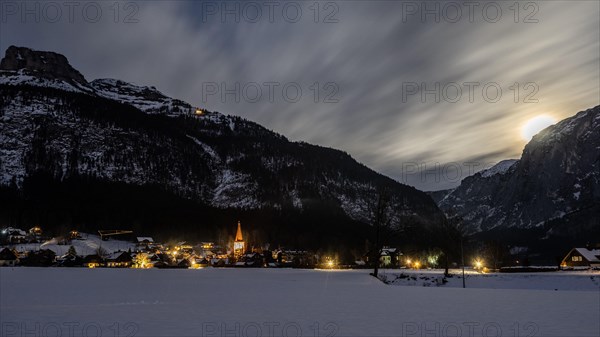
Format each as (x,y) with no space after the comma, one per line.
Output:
(554,185)
(45,64)
(57,125)
(24,66)
(500,168)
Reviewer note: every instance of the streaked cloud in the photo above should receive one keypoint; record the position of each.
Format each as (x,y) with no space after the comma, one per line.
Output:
(369,54)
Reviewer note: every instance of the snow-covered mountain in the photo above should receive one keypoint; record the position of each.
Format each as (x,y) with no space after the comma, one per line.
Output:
(54,122)
(501,168)
(553,188)
(147,99)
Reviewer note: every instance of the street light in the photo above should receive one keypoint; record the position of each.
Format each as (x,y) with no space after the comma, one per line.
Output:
(478,264)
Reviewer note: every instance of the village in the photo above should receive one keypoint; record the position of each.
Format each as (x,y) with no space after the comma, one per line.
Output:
(108,250)
(32,248)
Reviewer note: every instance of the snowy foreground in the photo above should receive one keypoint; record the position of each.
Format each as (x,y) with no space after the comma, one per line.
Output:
(563,280)
(268,302)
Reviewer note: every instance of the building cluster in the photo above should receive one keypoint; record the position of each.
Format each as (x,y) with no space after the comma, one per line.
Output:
(32,248)
(16,235)
(147,253)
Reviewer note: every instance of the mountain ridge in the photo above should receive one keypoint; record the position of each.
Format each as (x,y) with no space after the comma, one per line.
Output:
(119,132)
(557,175)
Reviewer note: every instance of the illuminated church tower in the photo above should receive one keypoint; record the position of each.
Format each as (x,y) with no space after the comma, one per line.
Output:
(238,244)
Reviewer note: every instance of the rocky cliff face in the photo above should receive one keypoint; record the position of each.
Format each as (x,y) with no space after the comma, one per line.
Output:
(40,64)
(556,179)
(54,122)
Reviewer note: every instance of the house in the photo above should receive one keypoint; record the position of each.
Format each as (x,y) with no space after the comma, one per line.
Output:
(93,261)
(203,263)
(184,247)
(249,260)
(183,263)
(8,258)
(219,262)
(390,257)
(34,235)
(582,257)
(70,261)
(39,258)
(119,260)
(74,235)
(14,235)
(294,258)
(145,242)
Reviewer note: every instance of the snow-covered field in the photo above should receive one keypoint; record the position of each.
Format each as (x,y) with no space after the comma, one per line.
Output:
(563,280)
(269,302)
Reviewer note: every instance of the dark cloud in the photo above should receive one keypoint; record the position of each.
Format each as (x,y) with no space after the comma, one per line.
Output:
(369,54)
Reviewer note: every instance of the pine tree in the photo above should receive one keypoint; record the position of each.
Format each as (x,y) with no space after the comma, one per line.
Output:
(72,251)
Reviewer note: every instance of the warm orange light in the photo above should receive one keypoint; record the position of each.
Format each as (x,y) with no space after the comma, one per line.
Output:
(479,265)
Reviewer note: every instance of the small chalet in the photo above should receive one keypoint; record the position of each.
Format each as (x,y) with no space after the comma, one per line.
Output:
(582,257)
(8,258)
(390,257)
(203,263)
(15,235)
(39,258)
(119,260)
(183,263)
(145,242)
(70,260)
(93,261)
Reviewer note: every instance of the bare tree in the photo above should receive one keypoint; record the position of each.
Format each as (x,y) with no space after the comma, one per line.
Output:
(381,219)
(450,237)
(101,252)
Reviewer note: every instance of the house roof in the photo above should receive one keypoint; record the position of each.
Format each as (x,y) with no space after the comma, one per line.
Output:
(145,238)
(119,257)
(92,258)
(7,254)
(592,255)
(15,231)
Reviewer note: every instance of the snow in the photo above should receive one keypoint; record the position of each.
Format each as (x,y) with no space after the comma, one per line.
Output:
(145,238)
(563,281)
(592,255)
(500,168)
(22,78)
(236,190)
(147,99)
(88,245)
(209,150)
(275,302)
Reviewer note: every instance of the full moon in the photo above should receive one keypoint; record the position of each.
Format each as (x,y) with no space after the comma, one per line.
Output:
(535,125)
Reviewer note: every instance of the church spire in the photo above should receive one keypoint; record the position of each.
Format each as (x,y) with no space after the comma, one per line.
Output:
(239,245)
(238,235)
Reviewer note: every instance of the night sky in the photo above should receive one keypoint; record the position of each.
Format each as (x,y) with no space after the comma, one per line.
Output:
(367,61)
